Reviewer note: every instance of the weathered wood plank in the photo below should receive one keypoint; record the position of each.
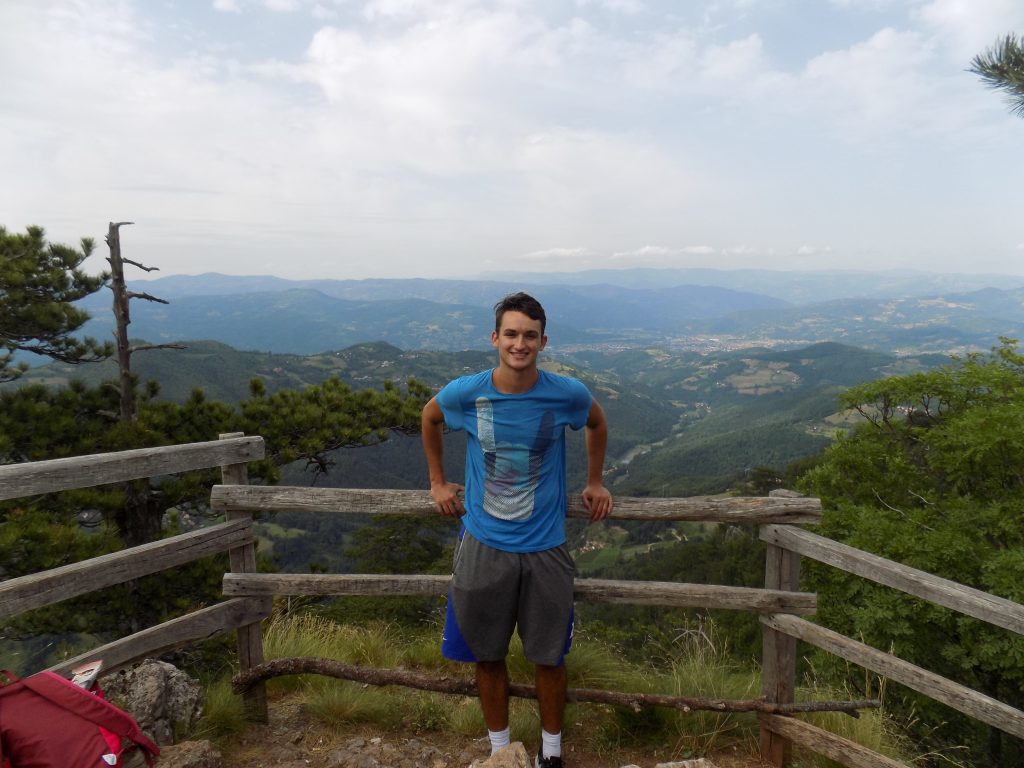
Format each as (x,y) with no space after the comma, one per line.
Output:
(305,665)
(47,587)
(35,477)
(734,509)
(272,584)
(959,697)
(249,638)
(822,742)
(972,602)
(593,590)
(194,627)
(778,676)
(695,596)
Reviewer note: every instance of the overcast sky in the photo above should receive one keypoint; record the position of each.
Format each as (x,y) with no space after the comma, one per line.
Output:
(391,138)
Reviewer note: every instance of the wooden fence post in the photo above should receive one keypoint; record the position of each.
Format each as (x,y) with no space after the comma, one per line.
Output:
(778,666)
(243,560)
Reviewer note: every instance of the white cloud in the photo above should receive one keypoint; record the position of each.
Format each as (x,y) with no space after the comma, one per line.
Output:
(742,250)
(621,6)
(666,61)
(557,254)
(737,60)
(416,135)
(643,252)
(282,6)
(967,27)
(875,4)
(813,250)
(323,13)
(875,90)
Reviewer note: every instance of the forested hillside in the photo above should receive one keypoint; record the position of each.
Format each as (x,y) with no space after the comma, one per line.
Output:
(681,422)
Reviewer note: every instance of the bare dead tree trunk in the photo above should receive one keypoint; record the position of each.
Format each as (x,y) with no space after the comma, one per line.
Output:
(138,521)
(122,319)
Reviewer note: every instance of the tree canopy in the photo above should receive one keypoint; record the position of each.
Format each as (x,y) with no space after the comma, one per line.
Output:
(933,479)
(39,283)
(1002,67)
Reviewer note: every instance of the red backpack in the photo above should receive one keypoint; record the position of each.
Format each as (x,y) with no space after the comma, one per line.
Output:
(47,721)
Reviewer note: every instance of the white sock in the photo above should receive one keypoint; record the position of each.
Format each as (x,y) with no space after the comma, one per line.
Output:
(499,740)
(552,743)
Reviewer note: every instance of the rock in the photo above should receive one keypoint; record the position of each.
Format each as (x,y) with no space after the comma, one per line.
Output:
(163,699)
(189,754)
(700,762)
(347,757)
(512,756)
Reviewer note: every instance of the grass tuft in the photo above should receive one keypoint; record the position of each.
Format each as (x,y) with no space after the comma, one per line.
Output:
(339,702)
(223,712)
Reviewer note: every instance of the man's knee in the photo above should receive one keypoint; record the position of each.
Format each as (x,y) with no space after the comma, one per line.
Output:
(491,668)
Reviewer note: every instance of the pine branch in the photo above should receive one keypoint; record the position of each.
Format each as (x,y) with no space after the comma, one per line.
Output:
(1002,68)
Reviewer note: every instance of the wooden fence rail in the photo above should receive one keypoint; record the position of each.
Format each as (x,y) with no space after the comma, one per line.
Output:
(193,627)
(822,742)
(37,590)
(661,593)
(959,697)
(949,594)
(736,509)
(31,478)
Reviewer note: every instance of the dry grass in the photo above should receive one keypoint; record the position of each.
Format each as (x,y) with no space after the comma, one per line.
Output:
(694,664)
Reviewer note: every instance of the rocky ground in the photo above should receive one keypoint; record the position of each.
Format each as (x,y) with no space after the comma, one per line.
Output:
(292,740)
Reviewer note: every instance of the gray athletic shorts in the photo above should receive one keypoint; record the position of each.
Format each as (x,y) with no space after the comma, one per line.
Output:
(493,592)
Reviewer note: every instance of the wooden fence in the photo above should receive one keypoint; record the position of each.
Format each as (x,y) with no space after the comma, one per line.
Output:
(232,453)
(786,545)
(780,604)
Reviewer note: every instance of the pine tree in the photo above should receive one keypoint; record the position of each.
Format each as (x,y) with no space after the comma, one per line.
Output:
(39,282)
(1002,67)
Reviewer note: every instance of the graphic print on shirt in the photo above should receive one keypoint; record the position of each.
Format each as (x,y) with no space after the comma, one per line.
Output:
(511,469)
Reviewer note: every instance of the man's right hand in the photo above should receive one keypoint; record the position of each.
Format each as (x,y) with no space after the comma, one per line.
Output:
(447,498)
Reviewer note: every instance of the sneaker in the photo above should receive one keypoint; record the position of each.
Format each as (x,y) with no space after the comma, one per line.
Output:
(548,762)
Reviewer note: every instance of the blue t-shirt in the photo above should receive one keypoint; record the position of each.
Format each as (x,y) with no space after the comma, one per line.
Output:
(515,456)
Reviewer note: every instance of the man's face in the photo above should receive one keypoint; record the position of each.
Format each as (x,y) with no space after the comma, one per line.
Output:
(518,341)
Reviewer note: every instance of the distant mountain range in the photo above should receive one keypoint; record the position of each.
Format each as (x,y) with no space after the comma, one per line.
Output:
(304,317)
(683,422)
(808,287)
(954,322)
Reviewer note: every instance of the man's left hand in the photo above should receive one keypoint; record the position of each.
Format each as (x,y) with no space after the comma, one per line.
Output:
(597,500)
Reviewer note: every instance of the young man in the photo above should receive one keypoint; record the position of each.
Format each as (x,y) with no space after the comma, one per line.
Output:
(512,566)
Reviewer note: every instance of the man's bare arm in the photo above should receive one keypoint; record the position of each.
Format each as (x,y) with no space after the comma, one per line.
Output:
(444,494)
(597,500)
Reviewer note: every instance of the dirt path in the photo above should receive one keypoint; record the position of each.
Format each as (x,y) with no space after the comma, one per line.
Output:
(292,739)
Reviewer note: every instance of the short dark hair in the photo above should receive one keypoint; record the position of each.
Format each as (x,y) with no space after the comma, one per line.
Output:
(520,302)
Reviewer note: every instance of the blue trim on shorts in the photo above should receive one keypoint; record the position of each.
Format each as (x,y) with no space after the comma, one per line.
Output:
(453,644)
(455,647)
